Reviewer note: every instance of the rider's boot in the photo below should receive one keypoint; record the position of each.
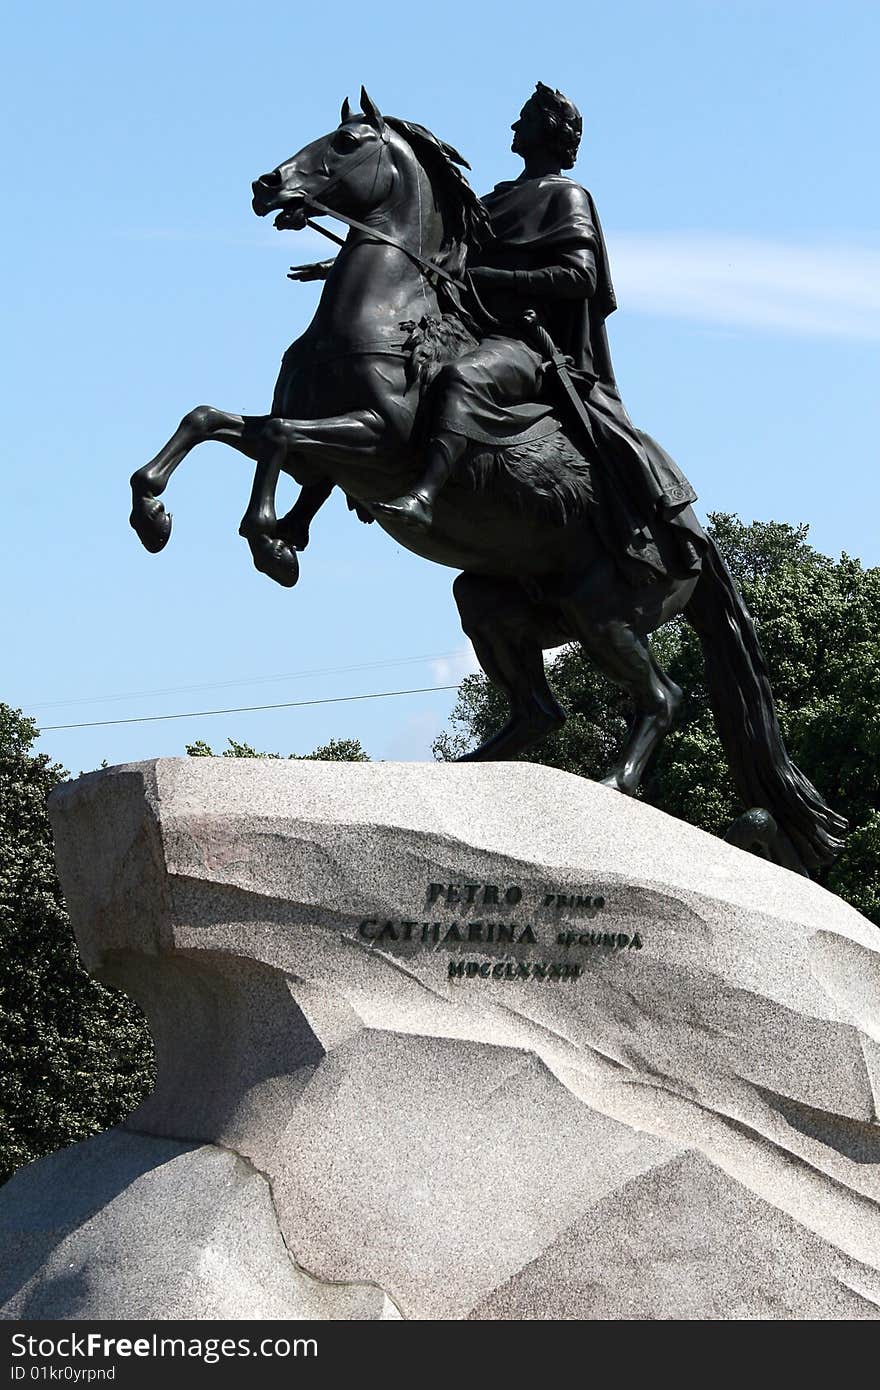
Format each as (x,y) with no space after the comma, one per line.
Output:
(416,509)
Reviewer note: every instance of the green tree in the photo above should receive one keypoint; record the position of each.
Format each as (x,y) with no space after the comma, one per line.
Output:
(75,1058)
(819,624)
(338,750)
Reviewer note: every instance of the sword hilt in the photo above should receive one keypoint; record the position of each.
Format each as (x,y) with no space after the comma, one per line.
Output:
(538,336)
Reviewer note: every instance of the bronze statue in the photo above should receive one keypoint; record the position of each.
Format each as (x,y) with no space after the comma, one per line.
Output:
(456,383)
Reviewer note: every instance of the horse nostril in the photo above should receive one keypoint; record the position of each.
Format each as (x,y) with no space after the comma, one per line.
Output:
(272,180)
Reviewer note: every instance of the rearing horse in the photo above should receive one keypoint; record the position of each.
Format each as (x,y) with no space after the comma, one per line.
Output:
(534,576)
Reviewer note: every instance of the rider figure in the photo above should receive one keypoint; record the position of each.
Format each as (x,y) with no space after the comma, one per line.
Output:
(543,256)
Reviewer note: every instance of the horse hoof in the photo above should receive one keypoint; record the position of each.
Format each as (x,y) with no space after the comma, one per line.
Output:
(274,558)
(617,782)
(151,522)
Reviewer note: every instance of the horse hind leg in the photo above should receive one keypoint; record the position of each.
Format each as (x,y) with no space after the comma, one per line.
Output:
(625,656)
(507,633)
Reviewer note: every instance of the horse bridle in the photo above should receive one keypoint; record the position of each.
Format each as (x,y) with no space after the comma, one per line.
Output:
(373,232)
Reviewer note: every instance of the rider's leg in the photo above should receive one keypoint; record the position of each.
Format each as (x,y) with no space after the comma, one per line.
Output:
(416,508)
(509,632)
(476,388)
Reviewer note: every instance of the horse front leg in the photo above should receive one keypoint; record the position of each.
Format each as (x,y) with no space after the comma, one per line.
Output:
(148,515)
(335,438)
(272,554)
(294,526)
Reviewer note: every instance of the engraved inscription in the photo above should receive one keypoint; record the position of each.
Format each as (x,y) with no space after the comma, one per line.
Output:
(517,937)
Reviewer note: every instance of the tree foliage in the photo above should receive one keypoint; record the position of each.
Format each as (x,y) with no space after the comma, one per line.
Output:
(338,750)
(819,624)
(75,1058)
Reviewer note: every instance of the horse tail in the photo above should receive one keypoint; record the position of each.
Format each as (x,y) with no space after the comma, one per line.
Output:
(745,715)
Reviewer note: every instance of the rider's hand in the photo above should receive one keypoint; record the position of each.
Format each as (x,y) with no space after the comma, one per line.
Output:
(317,270)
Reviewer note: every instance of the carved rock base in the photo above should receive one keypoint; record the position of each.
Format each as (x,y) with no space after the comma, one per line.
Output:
(456,1041)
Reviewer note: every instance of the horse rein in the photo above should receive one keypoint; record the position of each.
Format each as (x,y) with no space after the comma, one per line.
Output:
(375,235)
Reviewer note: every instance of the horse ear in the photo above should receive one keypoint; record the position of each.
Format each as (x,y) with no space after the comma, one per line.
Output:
(345,113)
(371,110)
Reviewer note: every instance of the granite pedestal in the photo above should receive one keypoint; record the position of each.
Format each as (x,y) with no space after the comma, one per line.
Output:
(456,1041)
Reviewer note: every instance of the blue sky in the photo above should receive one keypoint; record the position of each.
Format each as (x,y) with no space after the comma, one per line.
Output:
(731,149)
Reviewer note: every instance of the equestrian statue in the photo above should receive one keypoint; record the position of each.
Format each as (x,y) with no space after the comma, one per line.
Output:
(456,384)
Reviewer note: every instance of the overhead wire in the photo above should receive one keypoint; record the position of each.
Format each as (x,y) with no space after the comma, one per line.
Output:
(254,680)
(247,709)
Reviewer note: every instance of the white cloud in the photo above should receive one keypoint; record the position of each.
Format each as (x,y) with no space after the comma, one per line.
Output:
(447,670)
(828,290)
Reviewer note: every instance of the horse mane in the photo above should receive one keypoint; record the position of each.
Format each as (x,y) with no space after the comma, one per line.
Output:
(465,219)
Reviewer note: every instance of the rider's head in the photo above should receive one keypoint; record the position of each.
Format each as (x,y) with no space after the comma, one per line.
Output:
(548,121)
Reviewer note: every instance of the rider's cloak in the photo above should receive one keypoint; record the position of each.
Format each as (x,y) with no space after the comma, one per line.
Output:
(546,223)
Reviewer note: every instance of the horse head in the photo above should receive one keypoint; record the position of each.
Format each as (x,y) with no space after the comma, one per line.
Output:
(352,169)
